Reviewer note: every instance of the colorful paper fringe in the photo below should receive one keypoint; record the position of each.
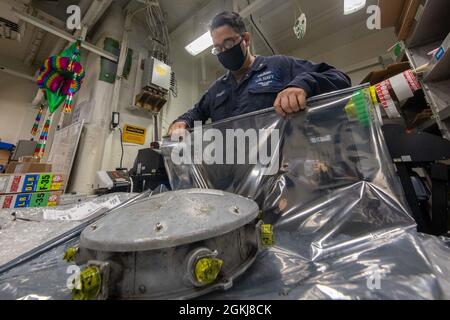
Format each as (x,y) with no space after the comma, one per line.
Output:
(40,148)
(37,121)
(61,77)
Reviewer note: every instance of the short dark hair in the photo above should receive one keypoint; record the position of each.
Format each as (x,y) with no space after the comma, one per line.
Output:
(231,19)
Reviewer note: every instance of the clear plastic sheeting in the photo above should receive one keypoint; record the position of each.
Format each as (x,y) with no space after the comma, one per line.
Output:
(342,226)
(45,277)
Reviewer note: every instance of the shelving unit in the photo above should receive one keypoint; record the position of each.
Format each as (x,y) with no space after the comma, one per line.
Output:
(429,32)
(432,25)
(418,56)
(441,70)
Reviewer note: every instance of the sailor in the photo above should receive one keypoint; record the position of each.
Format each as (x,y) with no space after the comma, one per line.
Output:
(254,83)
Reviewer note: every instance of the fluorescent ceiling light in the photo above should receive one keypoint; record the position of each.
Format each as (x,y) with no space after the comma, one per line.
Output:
(352,6)
(200,44)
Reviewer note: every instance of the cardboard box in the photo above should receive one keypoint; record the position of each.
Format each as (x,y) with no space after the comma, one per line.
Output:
(30,159)
(28,167)
(27,183)
(4,154)
(392,70)
(4,159)
(30,200)
(407,19)
(391,11)
(399,14)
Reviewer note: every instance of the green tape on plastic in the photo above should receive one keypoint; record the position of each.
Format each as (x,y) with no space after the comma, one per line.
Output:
(357,107)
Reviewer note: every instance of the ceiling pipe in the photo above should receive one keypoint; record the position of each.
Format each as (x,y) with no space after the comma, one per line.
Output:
(16,73)
(254,6)
(121,62)
(94,13)
(65,35)
(247,12)
(33,49)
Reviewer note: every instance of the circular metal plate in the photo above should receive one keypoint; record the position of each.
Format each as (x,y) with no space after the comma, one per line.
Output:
(168,220)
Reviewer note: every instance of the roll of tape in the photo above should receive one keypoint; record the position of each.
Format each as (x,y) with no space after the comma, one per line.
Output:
(384,95)
(401,87)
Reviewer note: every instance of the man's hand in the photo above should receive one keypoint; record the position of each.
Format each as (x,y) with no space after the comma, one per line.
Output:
(290,100)
(179,125)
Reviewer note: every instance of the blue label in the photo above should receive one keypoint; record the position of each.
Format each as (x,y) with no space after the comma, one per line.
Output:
(440,54)
(23,200)
(30,183)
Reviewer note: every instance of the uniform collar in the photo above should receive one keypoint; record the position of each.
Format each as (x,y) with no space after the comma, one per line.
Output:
(259,64)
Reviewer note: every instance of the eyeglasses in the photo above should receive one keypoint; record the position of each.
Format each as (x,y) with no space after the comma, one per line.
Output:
(226,45)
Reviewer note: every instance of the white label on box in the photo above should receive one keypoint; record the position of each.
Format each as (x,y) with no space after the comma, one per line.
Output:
(81,211)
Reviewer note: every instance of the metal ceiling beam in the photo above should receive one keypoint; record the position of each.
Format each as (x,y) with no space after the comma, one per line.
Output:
(251,8)
(95,11)
(65,35)
(17,73)
(247,12)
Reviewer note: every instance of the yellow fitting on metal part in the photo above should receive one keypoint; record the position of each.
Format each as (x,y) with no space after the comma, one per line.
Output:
(267,236)
(207,270)
(87,284)
(373,94)
(350,110)
(69,255)
(260,215)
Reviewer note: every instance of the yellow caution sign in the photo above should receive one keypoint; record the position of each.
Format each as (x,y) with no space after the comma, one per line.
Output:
(134,134)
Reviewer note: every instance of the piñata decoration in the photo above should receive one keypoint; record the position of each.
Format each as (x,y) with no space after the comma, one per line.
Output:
(37,121)
(60,77)
(40,147)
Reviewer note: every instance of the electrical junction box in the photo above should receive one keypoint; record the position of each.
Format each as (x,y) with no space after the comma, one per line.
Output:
(175,245)
(156,73)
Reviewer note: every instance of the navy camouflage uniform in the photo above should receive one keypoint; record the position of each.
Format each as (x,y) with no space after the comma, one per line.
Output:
(259,88)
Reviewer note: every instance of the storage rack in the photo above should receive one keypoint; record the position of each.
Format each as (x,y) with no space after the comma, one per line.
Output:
(430,28)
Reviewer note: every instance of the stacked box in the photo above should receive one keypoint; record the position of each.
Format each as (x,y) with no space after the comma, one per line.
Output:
(30,182)
(4,159)
(27,167)
(29,200)
(30,190)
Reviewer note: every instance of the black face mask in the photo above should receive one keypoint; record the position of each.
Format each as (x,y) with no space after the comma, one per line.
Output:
(233,59)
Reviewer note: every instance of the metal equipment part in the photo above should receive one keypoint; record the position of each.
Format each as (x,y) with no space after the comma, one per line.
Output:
(176,245)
